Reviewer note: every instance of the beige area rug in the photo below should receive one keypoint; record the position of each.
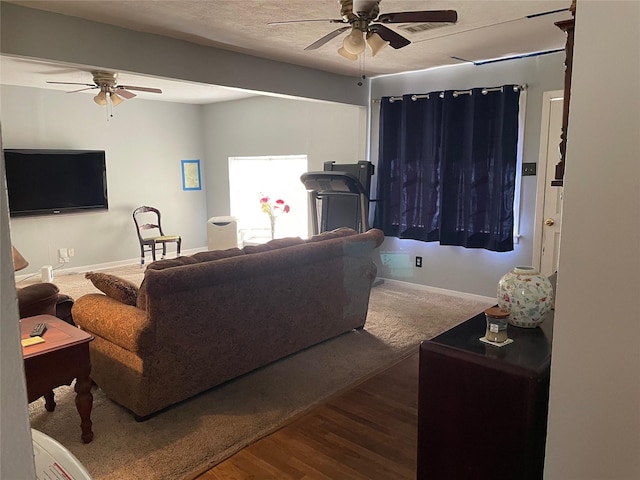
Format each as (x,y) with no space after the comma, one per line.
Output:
(194,435)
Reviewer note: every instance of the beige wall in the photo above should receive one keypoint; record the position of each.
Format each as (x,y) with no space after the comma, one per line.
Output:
(594,418)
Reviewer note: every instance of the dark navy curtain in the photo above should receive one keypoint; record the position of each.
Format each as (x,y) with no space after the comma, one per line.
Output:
(447,167)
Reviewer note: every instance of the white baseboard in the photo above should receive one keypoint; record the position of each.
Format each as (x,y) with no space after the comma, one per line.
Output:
(444,291)
(63,269)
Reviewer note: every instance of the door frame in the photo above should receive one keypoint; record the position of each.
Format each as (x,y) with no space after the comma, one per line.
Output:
(547,98)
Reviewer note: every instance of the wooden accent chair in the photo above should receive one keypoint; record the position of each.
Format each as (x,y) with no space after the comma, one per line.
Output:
(152,242)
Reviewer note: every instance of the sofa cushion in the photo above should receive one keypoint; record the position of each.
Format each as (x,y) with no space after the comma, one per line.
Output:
(274,245)
(199,257)
(172,262)
(337,233)
(217,254)
(115,287)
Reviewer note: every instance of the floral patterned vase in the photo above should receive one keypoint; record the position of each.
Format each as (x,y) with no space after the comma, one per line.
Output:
(527,296)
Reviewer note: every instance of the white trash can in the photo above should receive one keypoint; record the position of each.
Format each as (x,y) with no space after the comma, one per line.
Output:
(222,233)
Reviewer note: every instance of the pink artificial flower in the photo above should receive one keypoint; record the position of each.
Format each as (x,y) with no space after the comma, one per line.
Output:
(273,210)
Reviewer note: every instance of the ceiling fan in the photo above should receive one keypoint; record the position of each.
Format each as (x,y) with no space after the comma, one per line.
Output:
(110,91)
(367,26)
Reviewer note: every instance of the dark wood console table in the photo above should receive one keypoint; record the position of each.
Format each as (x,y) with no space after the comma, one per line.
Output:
(482,410)
(63,357)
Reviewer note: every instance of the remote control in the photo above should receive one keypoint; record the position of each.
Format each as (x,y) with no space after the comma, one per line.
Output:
(38,329)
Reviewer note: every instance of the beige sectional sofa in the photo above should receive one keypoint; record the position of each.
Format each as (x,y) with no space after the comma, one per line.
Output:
(198,321)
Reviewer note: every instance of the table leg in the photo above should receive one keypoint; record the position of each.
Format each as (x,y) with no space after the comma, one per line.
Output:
(49,401)
(84,404)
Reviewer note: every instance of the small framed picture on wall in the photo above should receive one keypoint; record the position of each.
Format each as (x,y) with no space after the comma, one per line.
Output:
(191,175)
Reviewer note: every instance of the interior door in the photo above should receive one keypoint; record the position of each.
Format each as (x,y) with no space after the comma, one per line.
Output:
(549,209)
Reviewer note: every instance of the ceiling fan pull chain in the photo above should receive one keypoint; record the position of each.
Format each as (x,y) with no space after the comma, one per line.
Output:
(109,108)
(362,69)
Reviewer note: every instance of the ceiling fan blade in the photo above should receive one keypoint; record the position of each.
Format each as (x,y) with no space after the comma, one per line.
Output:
(139,89)
(74,83)
(83,89)
(326,38)
(395,39)
(330,20)
(124,93)
(425,16)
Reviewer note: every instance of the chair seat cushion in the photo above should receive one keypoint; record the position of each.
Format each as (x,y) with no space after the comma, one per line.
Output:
(165,238)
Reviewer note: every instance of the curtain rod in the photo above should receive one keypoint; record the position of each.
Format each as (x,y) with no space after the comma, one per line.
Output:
(456,93)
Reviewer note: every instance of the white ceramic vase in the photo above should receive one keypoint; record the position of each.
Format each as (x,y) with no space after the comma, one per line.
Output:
(526,295)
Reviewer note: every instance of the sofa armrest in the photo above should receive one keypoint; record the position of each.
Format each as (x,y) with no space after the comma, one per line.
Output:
(125,325)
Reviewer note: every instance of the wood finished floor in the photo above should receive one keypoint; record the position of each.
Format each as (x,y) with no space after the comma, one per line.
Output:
(368,432)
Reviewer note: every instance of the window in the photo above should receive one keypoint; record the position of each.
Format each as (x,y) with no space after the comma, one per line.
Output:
(278,177)
(447,167)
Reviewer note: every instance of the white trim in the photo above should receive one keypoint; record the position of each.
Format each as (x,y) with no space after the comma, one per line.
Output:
(547,98)
(517,206)
(443,291)
(104,266)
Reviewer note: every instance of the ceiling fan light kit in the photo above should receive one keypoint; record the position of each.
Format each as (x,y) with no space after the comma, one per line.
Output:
(367,23)
(115,99)
(101,98)
(347,55)
(111,93)
(376,43)
(354,42)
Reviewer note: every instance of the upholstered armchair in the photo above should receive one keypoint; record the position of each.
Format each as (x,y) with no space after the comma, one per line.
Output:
(41,298)
(44,298)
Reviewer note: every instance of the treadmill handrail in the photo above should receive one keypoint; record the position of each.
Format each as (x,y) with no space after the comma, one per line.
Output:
(332,182)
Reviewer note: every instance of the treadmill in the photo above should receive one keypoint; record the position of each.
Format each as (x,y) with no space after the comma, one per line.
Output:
(342,190)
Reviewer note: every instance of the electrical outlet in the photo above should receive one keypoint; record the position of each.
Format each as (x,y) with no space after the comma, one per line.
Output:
(528,169)
(71,251)
(419,262)
(63,255)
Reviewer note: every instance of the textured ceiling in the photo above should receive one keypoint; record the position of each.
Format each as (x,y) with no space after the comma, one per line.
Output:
(485,30)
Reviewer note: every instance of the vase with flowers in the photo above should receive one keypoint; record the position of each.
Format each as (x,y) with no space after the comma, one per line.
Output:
(274,210)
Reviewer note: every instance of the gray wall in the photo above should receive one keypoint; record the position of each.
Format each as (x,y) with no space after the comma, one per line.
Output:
(144,143)
(594,407)
(457,268)
(273,126)
(44,35)
(16,454)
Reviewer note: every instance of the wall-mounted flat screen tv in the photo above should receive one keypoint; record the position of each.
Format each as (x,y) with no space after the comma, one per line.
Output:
(49,182)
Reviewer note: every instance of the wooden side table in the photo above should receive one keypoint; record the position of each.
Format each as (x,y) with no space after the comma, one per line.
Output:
(61,358)
(482,410)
